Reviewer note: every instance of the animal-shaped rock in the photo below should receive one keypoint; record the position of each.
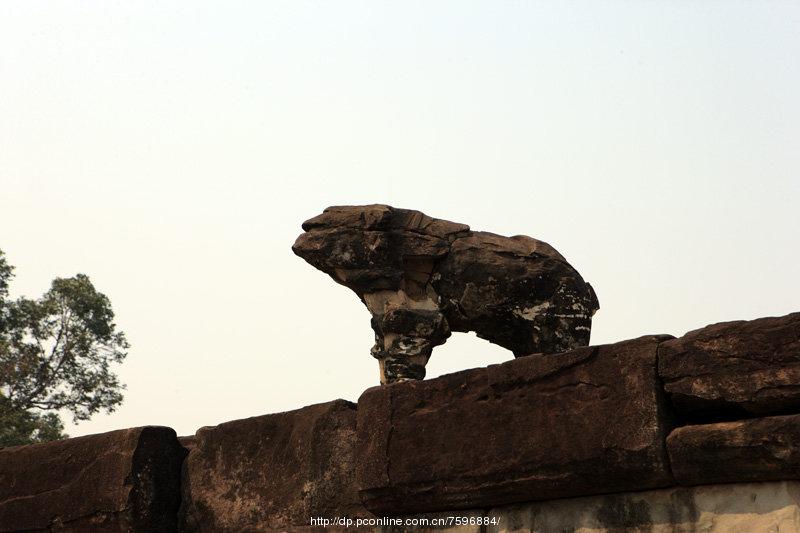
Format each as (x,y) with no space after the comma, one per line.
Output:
(422,278)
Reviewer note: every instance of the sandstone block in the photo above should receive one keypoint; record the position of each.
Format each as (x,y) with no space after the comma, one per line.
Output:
(760,449)
(734,369)
(538,427)
(273,472)
(126,480)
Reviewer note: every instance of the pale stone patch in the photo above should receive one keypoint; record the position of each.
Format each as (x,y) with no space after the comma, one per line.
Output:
(730,508)
(530,313)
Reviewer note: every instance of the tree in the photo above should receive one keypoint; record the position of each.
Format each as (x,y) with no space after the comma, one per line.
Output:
(56,354)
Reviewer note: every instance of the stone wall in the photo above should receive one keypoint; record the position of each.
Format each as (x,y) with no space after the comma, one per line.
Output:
(698,433)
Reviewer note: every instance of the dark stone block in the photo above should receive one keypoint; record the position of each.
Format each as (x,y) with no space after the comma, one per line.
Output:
(126,480)
(539,427)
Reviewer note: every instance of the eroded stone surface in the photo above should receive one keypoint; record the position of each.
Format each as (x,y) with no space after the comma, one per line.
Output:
(760,449)
(538,427)
(273,472)
(126,480)
(744,508)
(735,369)
(422,278)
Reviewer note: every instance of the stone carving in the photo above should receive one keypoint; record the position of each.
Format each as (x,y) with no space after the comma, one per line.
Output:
(422,278)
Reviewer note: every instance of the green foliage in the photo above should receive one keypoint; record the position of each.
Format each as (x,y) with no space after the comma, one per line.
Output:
(56,354)
(27,427)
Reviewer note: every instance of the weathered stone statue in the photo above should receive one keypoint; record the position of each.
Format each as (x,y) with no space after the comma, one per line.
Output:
(422,278)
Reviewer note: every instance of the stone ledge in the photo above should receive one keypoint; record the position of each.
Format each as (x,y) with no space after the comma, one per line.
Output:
(761,449)
(734,369)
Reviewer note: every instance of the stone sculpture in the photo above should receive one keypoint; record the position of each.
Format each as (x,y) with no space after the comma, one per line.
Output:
(421,278)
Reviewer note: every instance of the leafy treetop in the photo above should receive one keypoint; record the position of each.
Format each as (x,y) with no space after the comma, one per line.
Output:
(56,354)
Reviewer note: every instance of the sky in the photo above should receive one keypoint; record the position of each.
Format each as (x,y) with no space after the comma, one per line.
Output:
(171,151)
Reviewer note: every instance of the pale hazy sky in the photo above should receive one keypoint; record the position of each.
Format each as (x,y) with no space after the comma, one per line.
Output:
(171,150)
